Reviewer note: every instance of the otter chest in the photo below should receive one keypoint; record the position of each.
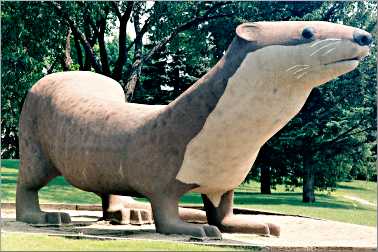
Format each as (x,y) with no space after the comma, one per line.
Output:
(251,110)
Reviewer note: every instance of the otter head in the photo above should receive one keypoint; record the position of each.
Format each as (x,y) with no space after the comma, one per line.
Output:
(306,53)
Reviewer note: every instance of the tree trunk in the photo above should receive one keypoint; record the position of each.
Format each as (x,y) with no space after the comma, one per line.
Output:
(79,53)
(308,179)
(122,50)
(130,86)
(137,66)
(265,180)
(68,59)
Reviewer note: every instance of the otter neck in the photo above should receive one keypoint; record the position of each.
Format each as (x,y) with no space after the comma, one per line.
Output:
(258,101)
(191,109)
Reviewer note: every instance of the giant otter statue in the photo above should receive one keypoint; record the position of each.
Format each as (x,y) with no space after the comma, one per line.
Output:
(77,124)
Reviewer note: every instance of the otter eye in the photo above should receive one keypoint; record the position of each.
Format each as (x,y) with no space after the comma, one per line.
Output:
(308,32)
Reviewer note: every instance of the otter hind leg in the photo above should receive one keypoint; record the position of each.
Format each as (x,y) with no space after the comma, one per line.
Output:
(34,173)
(223,217)
(167,220)
(125,210)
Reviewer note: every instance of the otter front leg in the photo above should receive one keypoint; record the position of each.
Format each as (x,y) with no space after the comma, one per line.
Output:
(167,220)
(28,210)
(34,173)
(223,217)
(125,210)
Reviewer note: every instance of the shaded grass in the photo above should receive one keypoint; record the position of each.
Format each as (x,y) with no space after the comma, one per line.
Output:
(328,205)
(31,242)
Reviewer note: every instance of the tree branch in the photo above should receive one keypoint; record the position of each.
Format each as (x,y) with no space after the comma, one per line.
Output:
(141,33)
(343,135)
(79,52)
(80,35)
(102,45)
(130,87)
(51,68)
(354,133)
(215,6)
(183,27)
(117,71)
(68,59)
(329,13)
(115,7)
(175,32)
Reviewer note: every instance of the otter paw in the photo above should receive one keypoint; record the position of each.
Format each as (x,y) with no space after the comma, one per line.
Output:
(204,232)
(127,216)
(274,229)
(45,218)
(57,218)
(212,232)
(195,231)
(243,224)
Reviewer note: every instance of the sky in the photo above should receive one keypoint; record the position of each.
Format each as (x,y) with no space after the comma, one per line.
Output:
(130,26)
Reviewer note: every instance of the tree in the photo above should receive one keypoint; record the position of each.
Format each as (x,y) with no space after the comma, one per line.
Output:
(30,43)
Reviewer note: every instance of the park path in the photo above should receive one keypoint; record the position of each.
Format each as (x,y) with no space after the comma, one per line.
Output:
(359,200)
(297,233)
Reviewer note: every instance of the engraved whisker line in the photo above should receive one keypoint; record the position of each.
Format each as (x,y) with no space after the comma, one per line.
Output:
(301,75)
(330,50)
(321,41)
(120,170)
(301,69)
(84,174)
(295,66)
(321,48)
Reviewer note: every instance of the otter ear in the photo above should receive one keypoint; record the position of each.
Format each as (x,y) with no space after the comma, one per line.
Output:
(247,31)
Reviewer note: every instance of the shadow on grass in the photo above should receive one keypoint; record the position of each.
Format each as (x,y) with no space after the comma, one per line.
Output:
(8,180)
(294,199)
(351,187)
(10,163)
(191,198)
(322,201)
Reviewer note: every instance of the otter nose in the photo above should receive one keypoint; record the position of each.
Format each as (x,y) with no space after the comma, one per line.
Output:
(362,38)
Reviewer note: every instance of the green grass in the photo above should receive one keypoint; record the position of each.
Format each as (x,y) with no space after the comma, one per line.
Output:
(361,189)
(328,205)
(30,242)
(57,191)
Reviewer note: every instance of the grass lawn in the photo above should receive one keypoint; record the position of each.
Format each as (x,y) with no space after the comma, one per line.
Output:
(30,242)
(329,205)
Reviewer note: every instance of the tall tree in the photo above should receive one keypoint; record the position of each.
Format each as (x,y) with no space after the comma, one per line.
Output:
(30,43)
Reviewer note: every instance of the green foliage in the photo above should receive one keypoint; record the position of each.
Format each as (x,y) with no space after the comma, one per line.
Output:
(29,43)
